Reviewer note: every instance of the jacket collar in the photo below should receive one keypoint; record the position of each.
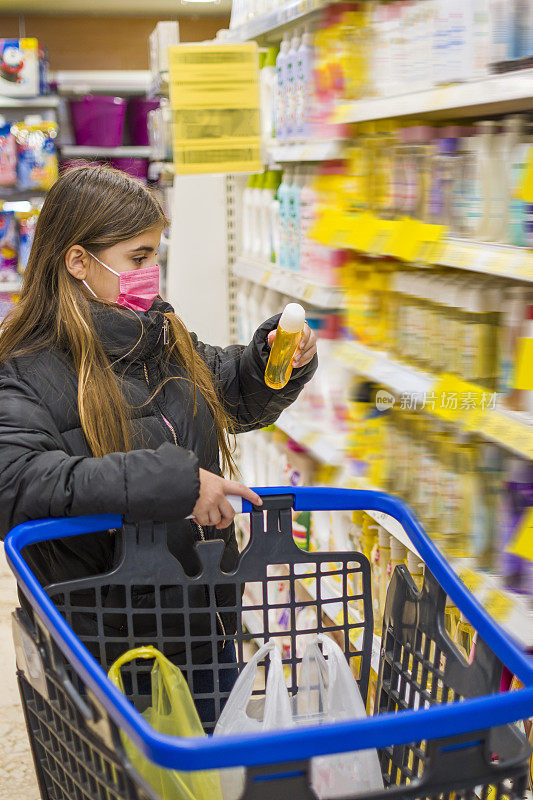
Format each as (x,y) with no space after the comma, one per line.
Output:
(131,336)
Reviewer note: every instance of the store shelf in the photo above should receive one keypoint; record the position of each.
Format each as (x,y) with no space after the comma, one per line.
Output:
(510,429)
(10,287)
(81,151)
(503,261)
(30,103)
(286,152)
(289,283)
(495,94)
(326,448)
(116,81)
(269,26)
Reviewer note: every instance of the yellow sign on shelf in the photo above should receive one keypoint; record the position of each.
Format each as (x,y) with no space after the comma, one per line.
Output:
(522,543)
(214,97)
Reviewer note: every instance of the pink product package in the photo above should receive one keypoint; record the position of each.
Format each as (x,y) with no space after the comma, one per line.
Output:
(8,246)
(8,156)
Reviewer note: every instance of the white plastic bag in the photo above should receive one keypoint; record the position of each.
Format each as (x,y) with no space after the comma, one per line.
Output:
(244,714)
(328,692)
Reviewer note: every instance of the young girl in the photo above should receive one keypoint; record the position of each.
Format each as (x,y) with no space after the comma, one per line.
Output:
(107,403)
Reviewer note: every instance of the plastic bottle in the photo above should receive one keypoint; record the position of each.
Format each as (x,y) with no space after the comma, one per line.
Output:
(284,193)
(289,331)
(304,83)
(519,213)
(243,327)
(255,309)
(280,104)
(274,226)
(266,197)
(398,554)
(255,216)
(415,565)
(309,262)
(295,220)
(267,85)
(291,87)
(246,215)
(384,540)
(516,299)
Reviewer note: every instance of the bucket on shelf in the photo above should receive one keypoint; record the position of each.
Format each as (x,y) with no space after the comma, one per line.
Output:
(137,119)
(98,120)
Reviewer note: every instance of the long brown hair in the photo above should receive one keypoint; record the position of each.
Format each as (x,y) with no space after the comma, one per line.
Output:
(95,207)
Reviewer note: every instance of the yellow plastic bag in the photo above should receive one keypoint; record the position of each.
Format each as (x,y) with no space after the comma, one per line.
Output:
(172,712)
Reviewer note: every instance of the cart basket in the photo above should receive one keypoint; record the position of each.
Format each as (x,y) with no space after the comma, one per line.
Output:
(440,724)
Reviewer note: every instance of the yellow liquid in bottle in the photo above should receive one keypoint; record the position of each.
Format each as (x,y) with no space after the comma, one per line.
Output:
(279,366)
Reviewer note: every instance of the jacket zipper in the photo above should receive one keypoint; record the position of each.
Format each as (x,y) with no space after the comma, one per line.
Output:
(198,526)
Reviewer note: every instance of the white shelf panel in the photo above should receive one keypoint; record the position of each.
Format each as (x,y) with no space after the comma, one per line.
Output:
(30,103)
(328,449)
(501,260)
(275,20)
(510,429)
(285,152)
(82,151)
(289,283)
(115,81)
(11,287)
(512,91)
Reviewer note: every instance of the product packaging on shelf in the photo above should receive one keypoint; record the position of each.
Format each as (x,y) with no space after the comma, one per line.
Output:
(8,246)
(19,67)
(37,166)
(8,155)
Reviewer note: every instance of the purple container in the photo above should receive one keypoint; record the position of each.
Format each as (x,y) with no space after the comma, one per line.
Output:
(138,108)
(98,121)
(136,167)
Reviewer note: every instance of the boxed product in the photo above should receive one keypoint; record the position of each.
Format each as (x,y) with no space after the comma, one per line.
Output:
(19,67)
(8,156)
(164,35)
(8,246)
(27,221)
(37,155)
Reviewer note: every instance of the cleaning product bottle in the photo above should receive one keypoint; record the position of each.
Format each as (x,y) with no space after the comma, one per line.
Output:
(415,565)
(256,299)
(384,539)
(246,215)
(255,216)
(267,83)
(267,194)
(295,220)
(292,69)
(284,194)
(289,332)
(274,227)
(304,82)
(280,104)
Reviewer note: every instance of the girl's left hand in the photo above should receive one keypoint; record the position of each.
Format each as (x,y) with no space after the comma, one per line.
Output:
(306,349)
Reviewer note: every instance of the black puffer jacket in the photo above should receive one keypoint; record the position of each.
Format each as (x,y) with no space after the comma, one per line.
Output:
(46,468)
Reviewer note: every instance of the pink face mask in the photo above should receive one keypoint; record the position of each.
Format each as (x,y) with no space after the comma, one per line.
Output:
(138,288)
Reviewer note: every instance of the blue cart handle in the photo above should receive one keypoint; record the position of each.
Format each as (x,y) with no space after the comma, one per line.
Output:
(301,743)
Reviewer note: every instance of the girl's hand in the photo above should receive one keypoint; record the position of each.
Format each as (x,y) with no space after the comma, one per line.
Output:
(212,508)
(306,348)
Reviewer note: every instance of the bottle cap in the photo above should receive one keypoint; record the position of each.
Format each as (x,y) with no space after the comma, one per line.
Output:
(272,179)
(293,318)
(270,57)
(262,56)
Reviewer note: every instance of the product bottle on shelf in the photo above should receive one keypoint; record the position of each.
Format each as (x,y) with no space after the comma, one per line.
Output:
(266,198)
(267,85)
(308,208)
(291,87)
(284,194)
(274,226)
(280,99)
(520,213)
(304,86)
(247,213)
(516,300)
(295,220)
(255,216)
(256,315)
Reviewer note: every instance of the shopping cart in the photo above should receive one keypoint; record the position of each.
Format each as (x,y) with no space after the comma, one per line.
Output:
(453,737)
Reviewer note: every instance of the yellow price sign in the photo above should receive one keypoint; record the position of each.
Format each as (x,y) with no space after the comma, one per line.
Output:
(499,605)
(522,543)
(471,579)
(266,277)
(308,292)
(509,432)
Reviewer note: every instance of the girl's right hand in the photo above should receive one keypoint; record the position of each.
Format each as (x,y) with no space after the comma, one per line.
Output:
(212,508)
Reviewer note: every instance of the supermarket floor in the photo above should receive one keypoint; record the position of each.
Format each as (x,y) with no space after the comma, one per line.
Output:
(17,776)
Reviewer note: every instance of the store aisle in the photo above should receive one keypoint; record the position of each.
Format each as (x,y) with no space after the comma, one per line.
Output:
(17,776)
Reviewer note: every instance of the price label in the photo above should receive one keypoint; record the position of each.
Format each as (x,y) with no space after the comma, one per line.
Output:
(472,580)
(499,605)
(266,277)
(522,544)
(510,432)
(308,292)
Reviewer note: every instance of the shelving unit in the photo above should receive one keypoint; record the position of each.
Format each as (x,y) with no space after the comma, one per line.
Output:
(268,27)
(290,283)
(45,101)
(82,151)
(326,448)
(287,152)
(102,81)
(495,94)
(510,429)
